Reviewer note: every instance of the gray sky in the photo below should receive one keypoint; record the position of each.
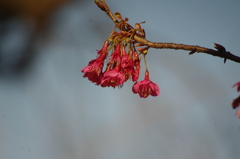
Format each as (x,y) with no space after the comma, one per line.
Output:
(54,113)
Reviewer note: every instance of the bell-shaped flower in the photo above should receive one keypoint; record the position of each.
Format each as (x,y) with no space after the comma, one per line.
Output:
(93,71)
(127,64)
(112,78)
(136,71)
(146,87)
(104,49)
(115,57)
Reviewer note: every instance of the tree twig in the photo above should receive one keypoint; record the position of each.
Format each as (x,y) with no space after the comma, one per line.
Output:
(220,50)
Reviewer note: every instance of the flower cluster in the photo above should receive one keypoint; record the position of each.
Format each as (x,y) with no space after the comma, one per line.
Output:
(236,102)
(123,63)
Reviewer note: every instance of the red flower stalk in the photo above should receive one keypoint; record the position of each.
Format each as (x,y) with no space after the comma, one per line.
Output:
(146,87)
(237,85)
(113,78)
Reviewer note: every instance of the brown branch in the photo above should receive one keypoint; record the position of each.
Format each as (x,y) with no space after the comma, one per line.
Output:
(192,48)
(220,50)
(104,7)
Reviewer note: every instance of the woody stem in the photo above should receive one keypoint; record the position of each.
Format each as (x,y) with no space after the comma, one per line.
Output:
(158,45)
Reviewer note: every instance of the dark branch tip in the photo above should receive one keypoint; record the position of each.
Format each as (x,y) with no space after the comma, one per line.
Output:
(219,47)
(192,52)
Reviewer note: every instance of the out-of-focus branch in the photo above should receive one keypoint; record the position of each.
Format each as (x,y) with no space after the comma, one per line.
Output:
(220,50)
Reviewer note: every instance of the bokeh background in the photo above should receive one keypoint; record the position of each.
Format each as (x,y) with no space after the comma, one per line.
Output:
(47,110)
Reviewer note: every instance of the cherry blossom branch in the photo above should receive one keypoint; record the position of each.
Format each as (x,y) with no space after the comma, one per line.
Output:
(220,50)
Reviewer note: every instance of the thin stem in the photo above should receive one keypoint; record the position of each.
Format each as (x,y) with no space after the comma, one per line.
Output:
(145,62)
(193,48)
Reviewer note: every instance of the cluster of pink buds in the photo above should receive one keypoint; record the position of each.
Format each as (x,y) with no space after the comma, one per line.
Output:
(122,61)
(236,102)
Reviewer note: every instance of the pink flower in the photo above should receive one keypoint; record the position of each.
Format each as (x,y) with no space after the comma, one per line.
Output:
(127,64)
(136,71)
(115,57)
(103,50)
(146,87)
(113,78)
(237,85)
(94,69)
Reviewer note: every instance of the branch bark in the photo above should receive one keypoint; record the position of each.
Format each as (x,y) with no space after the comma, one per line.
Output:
(219,52)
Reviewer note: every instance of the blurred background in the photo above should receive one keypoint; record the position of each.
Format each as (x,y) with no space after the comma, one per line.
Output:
(48,110)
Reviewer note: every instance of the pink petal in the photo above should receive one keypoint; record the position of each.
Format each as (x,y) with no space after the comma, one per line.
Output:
(135,87)
(155,89)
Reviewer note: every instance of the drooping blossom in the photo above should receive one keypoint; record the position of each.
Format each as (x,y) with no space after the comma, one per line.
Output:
(136,71)
(104,49)
(146,87)
(93,71)
(112,78)
(127,64)
(115,57)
